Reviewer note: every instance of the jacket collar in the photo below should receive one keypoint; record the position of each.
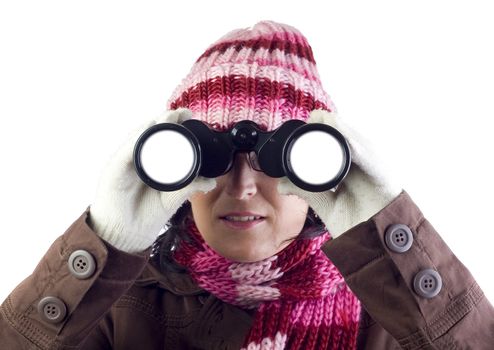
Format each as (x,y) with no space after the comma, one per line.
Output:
(177,283)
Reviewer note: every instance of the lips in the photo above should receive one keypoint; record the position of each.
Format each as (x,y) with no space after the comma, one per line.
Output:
(241,213)
(241,225)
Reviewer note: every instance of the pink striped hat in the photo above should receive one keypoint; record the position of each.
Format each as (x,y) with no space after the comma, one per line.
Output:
(266,73)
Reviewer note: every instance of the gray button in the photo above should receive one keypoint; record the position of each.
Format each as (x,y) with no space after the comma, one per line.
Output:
(427,283)
(52,309)
(398,238)
(81,264)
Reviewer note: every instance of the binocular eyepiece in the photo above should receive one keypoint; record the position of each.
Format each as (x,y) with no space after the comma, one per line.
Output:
(315,157)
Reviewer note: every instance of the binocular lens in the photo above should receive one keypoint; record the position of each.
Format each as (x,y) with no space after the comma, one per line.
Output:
(166,159)
(316,157)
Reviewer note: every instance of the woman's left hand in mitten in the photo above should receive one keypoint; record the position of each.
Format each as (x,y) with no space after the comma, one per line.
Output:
(365,190)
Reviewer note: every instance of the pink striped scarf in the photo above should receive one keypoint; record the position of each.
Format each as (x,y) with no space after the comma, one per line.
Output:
(302,300)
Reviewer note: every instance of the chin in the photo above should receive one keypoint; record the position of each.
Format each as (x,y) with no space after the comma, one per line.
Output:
(223,246)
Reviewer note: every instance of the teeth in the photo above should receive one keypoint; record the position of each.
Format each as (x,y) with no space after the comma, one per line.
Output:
(242,218)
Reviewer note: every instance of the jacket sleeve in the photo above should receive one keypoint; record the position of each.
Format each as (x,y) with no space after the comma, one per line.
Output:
(410,282)
(70,291)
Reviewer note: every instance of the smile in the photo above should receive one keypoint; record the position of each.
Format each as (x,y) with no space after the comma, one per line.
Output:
(241,223)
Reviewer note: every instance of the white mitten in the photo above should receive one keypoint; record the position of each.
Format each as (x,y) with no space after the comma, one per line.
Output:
(364,192)
(126,212)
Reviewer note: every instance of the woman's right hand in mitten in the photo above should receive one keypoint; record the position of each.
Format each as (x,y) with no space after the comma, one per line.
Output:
(126,212)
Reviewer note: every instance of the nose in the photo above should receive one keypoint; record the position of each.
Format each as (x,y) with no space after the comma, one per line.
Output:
(241,180)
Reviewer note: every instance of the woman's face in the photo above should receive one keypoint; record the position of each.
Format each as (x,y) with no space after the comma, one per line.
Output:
(243,190)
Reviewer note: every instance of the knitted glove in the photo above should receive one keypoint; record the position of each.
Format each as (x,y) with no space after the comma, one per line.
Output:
(363,192)
(126,212)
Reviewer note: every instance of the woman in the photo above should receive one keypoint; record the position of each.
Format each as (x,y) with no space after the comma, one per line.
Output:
(244,261)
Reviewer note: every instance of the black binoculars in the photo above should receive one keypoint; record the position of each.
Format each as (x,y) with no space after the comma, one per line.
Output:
(314,156)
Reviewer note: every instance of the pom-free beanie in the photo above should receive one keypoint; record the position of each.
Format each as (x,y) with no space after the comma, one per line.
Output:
(266,73)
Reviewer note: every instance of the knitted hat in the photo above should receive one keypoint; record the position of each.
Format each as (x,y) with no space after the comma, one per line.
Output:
(266,73)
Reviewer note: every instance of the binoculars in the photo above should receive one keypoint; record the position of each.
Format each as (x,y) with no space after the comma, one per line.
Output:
(314,156)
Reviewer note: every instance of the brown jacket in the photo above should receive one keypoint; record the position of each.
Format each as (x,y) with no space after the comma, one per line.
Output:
(127,303)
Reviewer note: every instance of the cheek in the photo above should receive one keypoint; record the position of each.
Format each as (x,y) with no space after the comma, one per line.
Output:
(203,205)
(205,200)
(199,204)
(293,201)
(293,210)
(196,198)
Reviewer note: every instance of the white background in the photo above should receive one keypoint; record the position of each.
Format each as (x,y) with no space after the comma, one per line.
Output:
(76,77)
